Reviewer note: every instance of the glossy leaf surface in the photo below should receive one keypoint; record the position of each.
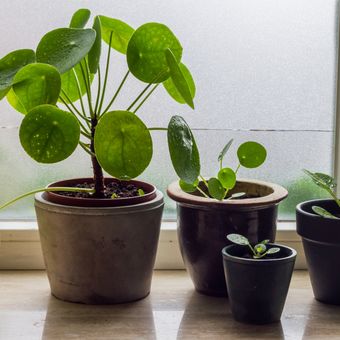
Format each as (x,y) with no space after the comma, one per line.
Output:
(80,18)
(48,134)
(65,47)
(94,54)
(188,187)
(238,239)
(146,52)
(183,150)
(251,154)
(323,212)
(227,177)
(216,189)
(123,144)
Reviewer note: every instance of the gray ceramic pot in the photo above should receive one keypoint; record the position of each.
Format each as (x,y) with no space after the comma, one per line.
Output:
(99,255)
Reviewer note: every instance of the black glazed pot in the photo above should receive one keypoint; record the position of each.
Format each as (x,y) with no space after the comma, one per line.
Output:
(257,288)
(203,224)
(321,243)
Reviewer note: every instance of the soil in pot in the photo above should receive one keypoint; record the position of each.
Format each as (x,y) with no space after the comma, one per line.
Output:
(257,288)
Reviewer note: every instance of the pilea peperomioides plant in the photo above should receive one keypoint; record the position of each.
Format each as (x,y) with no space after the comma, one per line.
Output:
(61,71)
(185,158)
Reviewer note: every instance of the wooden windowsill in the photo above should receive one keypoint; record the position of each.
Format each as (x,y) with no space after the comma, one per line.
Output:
(173,310)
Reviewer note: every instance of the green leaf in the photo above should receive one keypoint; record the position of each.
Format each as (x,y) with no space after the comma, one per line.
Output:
(141,192)
(120,31)
(146,52)
(14,101)
(37,84)
(69,83)
(238,239)
(236,195)
(123,144)
(224,151)
(265,241)
(322,180)
(80,18)
(65,47)
(227,177)
(260,248)
(251,154)
(94,54)
(323,212)
(273,250)
(178,78)
(10,65)
(48,134)
(172,89)
(187,187)
(216,189)
(183,150)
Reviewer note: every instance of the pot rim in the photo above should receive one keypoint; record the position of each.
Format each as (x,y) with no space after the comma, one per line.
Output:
(259,262)
(300,208)
(279,193)
(53,197)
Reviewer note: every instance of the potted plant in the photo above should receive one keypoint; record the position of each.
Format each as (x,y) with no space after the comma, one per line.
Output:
(258,278)
(209,209)
(99,235)
(318,223)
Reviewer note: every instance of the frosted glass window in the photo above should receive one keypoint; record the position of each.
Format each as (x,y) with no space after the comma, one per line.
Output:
(264,70)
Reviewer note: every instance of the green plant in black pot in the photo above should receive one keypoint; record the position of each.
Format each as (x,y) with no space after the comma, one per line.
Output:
(109,255)
(257,278)
(318,224)
(209,208)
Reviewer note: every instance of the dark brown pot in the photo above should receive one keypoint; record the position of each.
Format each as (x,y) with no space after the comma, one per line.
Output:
(203,224)
(99,255)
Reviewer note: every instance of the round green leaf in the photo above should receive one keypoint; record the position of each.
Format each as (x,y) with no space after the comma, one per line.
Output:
(65,47)
(216,189)
(10,65)
(94,54)
(119,31)
(260,248)
(183,150)
(179,79)
(238,239)
(80,18)
(188,187)
(14,101)
(227,177)
(123,144)
(251,154)
(48,134)
(146,52)
(37,84)
(273,250)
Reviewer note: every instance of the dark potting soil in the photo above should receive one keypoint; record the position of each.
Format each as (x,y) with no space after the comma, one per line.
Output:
(120,189)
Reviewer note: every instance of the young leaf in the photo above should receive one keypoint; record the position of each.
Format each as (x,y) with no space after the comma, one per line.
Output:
(216,189)
(178,78)
(80,18)
(260,248)
(236,195)
(224,151)
(65,47)
(37,84)
(172,89)
(323,212)
(322,180)
(48,134)
(146,52)
(141,192)
(251,154)
(238,239)
(10,65)
(119,31)
(95,51)
(227,177)
(123,144)
(273,250)
(187,187)
(265,241)
(183,150)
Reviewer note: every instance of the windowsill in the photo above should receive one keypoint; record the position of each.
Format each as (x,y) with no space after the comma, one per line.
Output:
(20,245)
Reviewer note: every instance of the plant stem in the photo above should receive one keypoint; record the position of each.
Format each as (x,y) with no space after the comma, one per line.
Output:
(138,97)
(71,104)
(86,148)
(79,92)
(252,249)
(116,93)
(85,134)
(50,189)
(98,90)
(87,84)
(238,167)
(204,181)
(146,97)
(202,192)
(106,75)
(157,129)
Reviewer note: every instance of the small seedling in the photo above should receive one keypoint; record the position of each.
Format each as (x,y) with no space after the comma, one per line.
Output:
(186,161)
(327,183)
(259,250)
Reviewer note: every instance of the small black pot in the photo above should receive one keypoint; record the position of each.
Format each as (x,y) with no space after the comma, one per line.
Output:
(257,288)
(321,243)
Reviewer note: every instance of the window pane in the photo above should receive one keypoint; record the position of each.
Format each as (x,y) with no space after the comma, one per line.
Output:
(258,65)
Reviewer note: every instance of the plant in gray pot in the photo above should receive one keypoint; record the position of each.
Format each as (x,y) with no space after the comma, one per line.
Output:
(258,278)
(99,235)
(207,210)
(318,223)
